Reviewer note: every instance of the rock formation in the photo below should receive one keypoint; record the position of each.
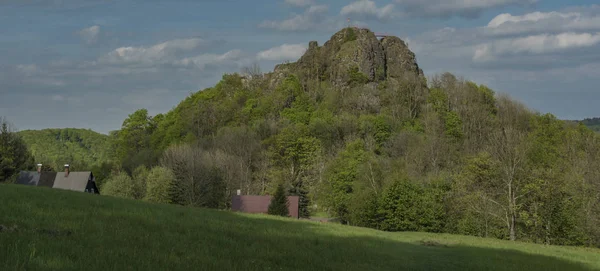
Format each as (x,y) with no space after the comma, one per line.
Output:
(349,51)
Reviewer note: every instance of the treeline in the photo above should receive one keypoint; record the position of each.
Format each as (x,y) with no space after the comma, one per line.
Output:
(452,157)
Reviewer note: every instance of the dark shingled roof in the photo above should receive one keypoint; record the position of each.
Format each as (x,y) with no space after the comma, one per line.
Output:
(45,179)
(28,178)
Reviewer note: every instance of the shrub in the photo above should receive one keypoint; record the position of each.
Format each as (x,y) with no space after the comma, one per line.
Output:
(159,185)
(357,78)
(120,185)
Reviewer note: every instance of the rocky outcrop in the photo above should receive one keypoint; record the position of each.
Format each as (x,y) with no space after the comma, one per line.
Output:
(349,51)
(399,59)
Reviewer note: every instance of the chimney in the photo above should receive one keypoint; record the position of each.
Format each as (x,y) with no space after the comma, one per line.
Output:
(39,168)
(66,170)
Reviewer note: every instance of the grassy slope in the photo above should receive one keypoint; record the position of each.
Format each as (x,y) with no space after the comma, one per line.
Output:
(75,231)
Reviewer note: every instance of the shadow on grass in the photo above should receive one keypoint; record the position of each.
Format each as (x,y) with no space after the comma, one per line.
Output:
(115,234)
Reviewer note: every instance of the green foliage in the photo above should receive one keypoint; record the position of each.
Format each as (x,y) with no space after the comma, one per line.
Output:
(356,78)
(453,125)
(401,207)
(159,185)
(341,175)
(120,185)
(439,100)
(279,203)
(299,189)
(350,35)
(591,123)
(14,154)
(133,141)
(82,149)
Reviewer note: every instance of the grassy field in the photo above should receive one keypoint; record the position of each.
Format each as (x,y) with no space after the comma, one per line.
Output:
(49,229)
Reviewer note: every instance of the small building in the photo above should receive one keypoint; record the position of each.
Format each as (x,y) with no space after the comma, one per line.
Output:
(82,181)
(260,204)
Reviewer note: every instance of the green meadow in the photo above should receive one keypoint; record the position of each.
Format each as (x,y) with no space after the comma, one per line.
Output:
(50,229)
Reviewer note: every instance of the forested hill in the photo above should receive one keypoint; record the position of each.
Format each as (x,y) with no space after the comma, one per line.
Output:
(592,123)
(80,148)
(357,131)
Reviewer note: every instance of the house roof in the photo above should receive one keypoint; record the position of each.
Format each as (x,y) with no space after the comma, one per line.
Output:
(76,181)
(28,178)
(47,179)
(34,178)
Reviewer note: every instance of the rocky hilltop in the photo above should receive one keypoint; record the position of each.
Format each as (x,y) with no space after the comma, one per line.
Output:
(353,52)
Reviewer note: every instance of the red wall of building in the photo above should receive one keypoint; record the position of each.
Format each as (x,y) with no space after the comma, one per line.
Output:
(260,204)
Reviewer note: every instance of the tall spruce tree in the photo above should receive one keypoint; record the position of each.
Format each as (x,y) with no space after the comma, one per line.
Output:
(279,203)
(299,190)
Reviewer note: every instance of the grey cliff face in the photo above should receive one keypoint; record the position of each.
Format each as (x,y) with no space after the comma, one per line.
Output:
(352,48)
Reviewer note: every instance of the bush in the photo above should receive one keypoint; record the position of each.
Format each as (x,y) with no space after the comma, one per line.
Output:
(121,186)
(159,185)
(279,203)
(350,35)
(357,78)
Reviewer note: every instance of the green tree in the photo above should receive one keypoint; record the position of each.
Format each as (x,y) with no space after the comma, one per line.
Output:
(133,141)
(342,174)
(279,203)
(159,186)
(120,185)
(14,154)
(299,189)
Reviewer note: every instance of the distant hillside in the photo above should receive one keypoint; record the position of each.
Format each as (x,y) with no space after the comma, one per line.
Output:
(80,148)
(592,123)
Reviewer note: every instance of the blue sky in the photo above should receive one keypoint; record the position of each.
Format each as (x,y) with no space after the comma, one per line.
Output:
(90,63)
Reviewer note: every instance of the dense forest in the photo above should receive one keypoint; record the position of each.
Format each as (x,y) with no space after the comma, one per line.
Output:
(592,123)
(80,148)
(357,131)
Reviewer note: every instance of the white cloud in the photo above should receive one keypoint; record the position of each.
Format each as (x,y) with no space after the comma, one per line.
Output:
(543,22)
(310,19)
(300,3)
(529,17)
(201,61)
(368,9)
(283,52)
(90,34)
(68,99)
(58,98)
(150,55)
(536,44)
(449,8)
(29,69)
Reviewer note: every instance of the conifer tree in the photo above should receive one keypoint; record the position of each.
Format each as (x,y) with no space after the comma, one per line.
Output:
(279,203)
(303,204)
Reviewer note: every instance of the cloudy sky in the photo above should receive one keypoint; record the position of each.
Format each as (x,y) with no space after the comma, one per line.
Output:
(90,63)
